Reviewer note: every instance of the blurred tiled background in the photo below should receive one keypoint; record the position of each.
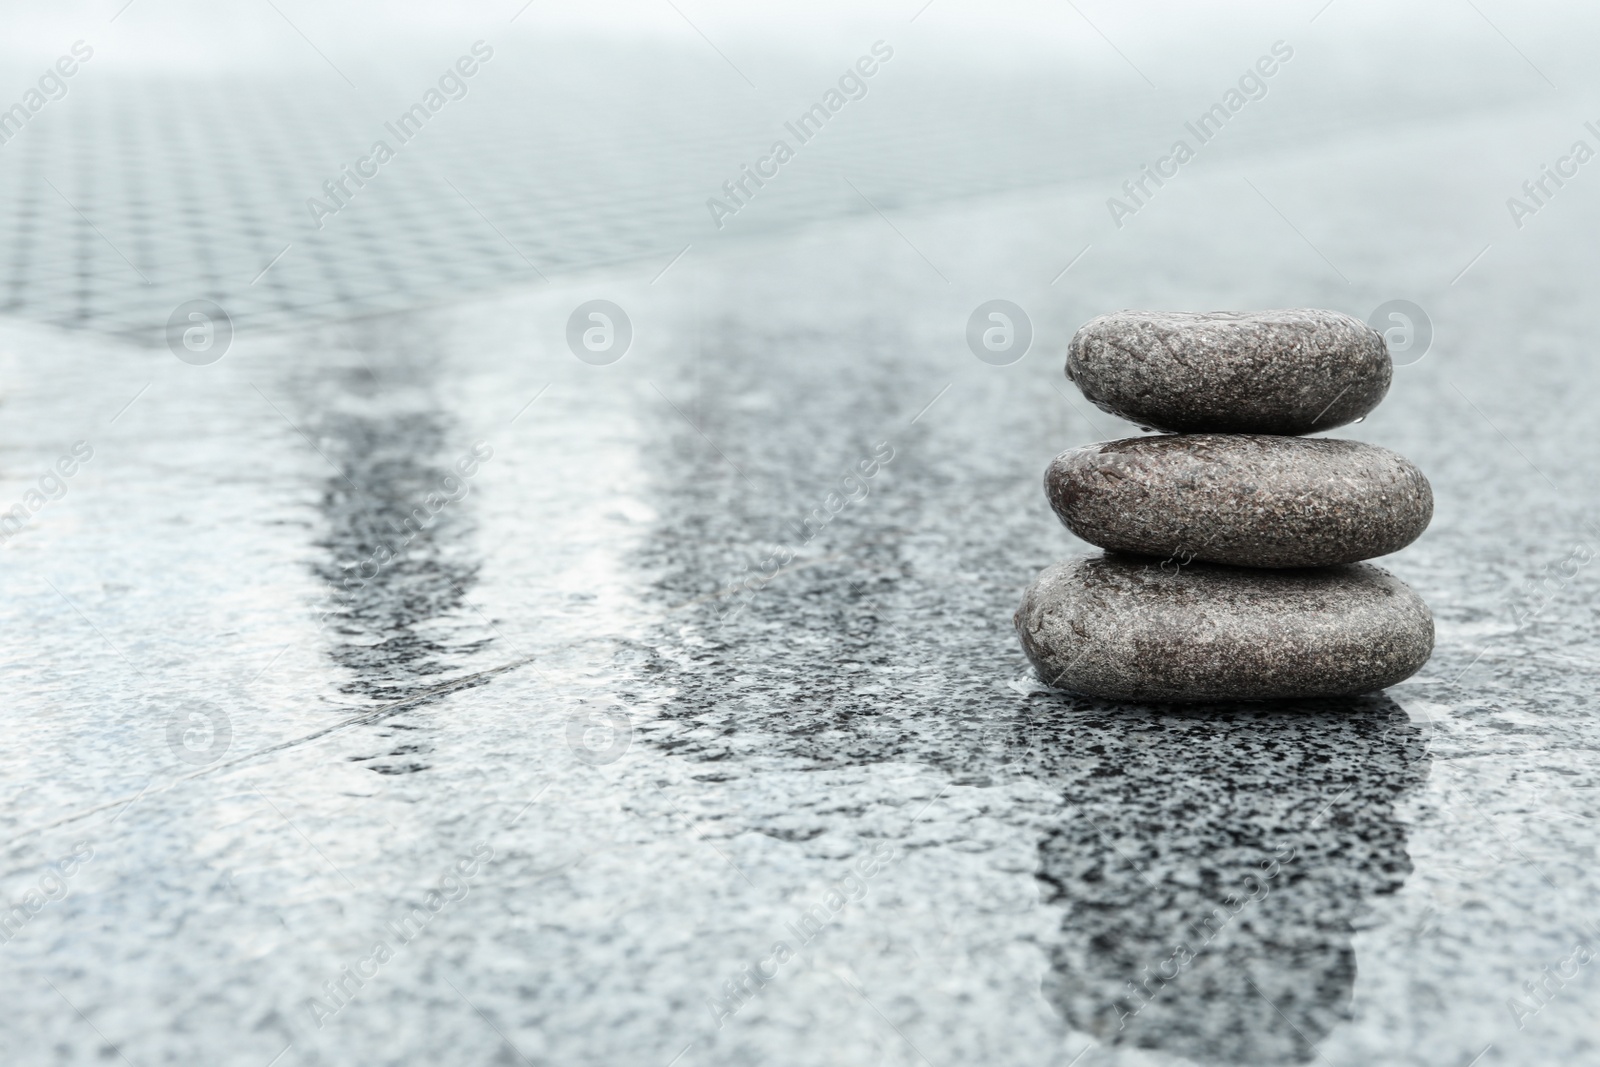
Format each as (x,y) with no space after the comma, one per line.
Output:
(179,162)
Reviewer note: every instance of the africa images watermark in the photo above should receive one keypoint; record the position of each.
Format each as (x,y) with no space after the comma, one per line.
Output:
(50,888)
(198,731)
(1535,594)
(1252,86)
(1553,979)
(1538,190)
(451,490)
(743,987)
(452,85)
(341,990)
(52,485)
(52,85)
(852,85)
(853,488)
(1183,954)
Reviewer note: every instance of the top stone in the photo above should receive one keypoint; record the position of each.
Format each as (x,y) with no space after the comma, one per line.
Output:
(1275,372)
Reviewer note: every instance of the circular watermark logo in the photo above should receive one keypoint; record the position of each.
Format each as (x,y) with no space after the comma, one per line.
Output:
(599,737)
(199,733)
(199,332)
(1406,329)
(999,332)
(599,332)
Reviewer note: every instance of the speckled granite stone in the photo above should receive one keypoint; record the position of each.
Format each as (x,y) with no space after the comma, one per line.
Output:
(1248,499)
(1189,905)
(1284,372)
(1135,628)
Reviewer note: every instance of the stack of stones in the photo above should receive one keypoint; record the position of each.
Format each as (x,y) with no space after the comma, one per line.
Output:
(1233,544)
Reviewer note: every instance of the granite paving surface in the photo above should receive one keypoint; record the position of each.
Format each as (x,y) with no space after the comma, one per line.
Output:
(585,775)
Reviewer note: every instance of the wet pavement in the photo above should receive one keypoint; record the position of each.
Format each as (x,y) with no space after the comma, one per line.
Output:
(406,689)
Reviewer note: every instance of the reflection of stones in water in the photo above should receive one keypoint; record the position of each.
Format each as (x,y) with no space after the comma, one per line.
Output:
(399,620)
(1213,864)
(870,654)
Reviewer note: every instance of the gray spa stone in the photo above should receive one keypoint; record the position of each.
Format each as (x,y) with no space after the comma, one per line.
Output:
(1283,372)
(1127,628)
(1252,500)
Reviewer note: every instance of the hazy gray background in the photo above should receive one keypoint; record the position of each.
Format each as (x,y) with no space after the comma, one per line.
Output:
(180,162)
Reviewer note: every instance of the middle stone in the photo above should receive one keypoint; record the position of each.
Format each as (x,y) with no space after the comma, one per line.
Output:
(1252,500)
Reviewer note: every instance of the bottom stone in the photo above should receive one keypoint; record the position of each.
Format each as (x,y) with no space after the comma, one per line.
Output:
(1132,628)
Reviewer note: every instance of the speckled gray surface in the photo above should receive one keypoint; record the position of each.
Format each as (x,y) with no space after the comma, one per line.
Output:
(1248,499)
(1250,962)
(1291,371)
(1043,851)
(1142,628)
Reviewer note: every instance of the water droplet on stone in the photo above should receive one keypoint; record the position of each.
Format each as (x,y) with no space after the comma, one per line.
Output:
(1363,418)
